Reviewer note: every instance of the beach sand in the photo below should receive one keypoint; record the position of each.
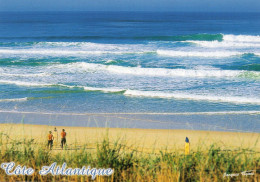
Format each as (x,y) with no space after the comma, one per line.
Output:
(140,139)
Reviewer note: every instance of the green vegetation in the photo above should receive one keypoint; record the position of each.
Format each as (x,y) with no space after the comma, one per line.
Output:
(130,164)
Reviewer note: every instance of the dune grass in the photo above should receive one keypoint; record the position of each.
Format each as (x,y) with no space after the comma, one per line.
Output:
(129,163)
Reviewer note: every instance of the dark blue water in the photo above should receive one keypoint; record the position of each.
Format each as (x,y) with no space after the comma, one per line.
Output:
(109,26)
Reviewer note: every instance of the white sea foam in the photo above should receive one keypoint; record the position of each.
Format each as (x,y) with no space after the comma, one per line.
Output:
(205,54)
(82,66)
(86,88)
(64,52)
(88,45)
(14,100)
(241,38)
(66,44)
(157,94)
(105,90)
(52,52)
(22,83)
(217,44)
(243,41)
(25,75)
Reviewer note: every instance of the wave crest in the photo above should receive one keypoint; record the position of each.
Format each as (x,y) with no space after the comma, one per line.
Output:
(241,38)
(157,94)
(218,54)
(157,72)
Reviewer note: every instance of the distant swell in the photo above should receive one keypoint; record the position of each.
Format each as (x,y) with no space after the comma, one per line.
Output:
(77,40)
(206,37)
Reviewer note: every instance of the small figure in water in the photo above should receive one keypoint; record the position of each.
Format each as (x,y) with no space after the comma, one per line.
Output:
(50,140)
(63,138)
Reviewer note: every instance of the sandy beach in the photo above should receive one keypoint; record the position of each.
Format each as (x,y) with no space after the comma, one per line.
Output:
(140,139)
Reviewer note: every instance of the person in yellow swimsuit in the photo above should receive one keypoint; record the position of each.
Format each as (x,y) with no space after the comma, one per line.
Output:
(50,140)
(63,138)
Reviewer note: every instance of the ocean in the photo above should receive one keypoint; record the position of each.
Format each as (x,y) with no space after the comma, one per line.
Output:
(132,62)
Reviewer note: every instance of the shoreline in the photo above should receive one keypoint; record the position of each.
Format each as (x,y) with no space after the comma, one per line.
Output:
(141,139)
(213,121)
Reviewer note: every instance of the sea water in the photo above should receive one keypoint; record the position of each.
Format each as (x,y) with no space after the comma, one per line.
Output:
(130,62)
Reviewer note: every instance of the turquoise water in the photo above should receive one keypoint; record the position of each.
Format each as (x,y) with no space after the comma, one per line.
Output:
(129,62)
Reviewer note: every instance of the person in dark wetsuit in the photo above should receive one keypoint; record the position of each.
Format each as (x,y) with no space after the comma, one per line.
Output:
(63,138)
(50,140)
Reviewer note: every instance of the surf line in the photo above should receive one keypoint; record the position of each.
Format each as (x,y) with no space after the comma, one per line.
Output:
(138,113)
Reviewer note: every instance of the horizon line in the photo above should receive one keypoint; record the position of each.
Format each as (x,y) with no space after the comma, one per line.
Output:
(152,11)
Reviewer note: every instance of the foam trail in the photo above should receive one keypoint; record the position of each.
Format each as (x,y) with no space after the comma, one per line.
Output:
(27,84)
(105,90)
(213,54)
(55,52)
(82,66)
(14,100)
(67,44)
(90,45)
(235,99)
(25,75)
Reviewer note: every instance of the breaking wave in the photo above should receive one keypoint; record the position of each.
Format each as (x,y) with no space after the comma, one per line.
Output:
(242,41)
(217,44)
(216,54)
(138,93)
(241,38)
(234,99)
(139,71)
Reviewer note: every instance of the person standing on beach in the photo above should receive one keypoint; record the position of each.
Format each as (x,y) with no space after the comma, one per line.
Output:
(50,140)
(63,138)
